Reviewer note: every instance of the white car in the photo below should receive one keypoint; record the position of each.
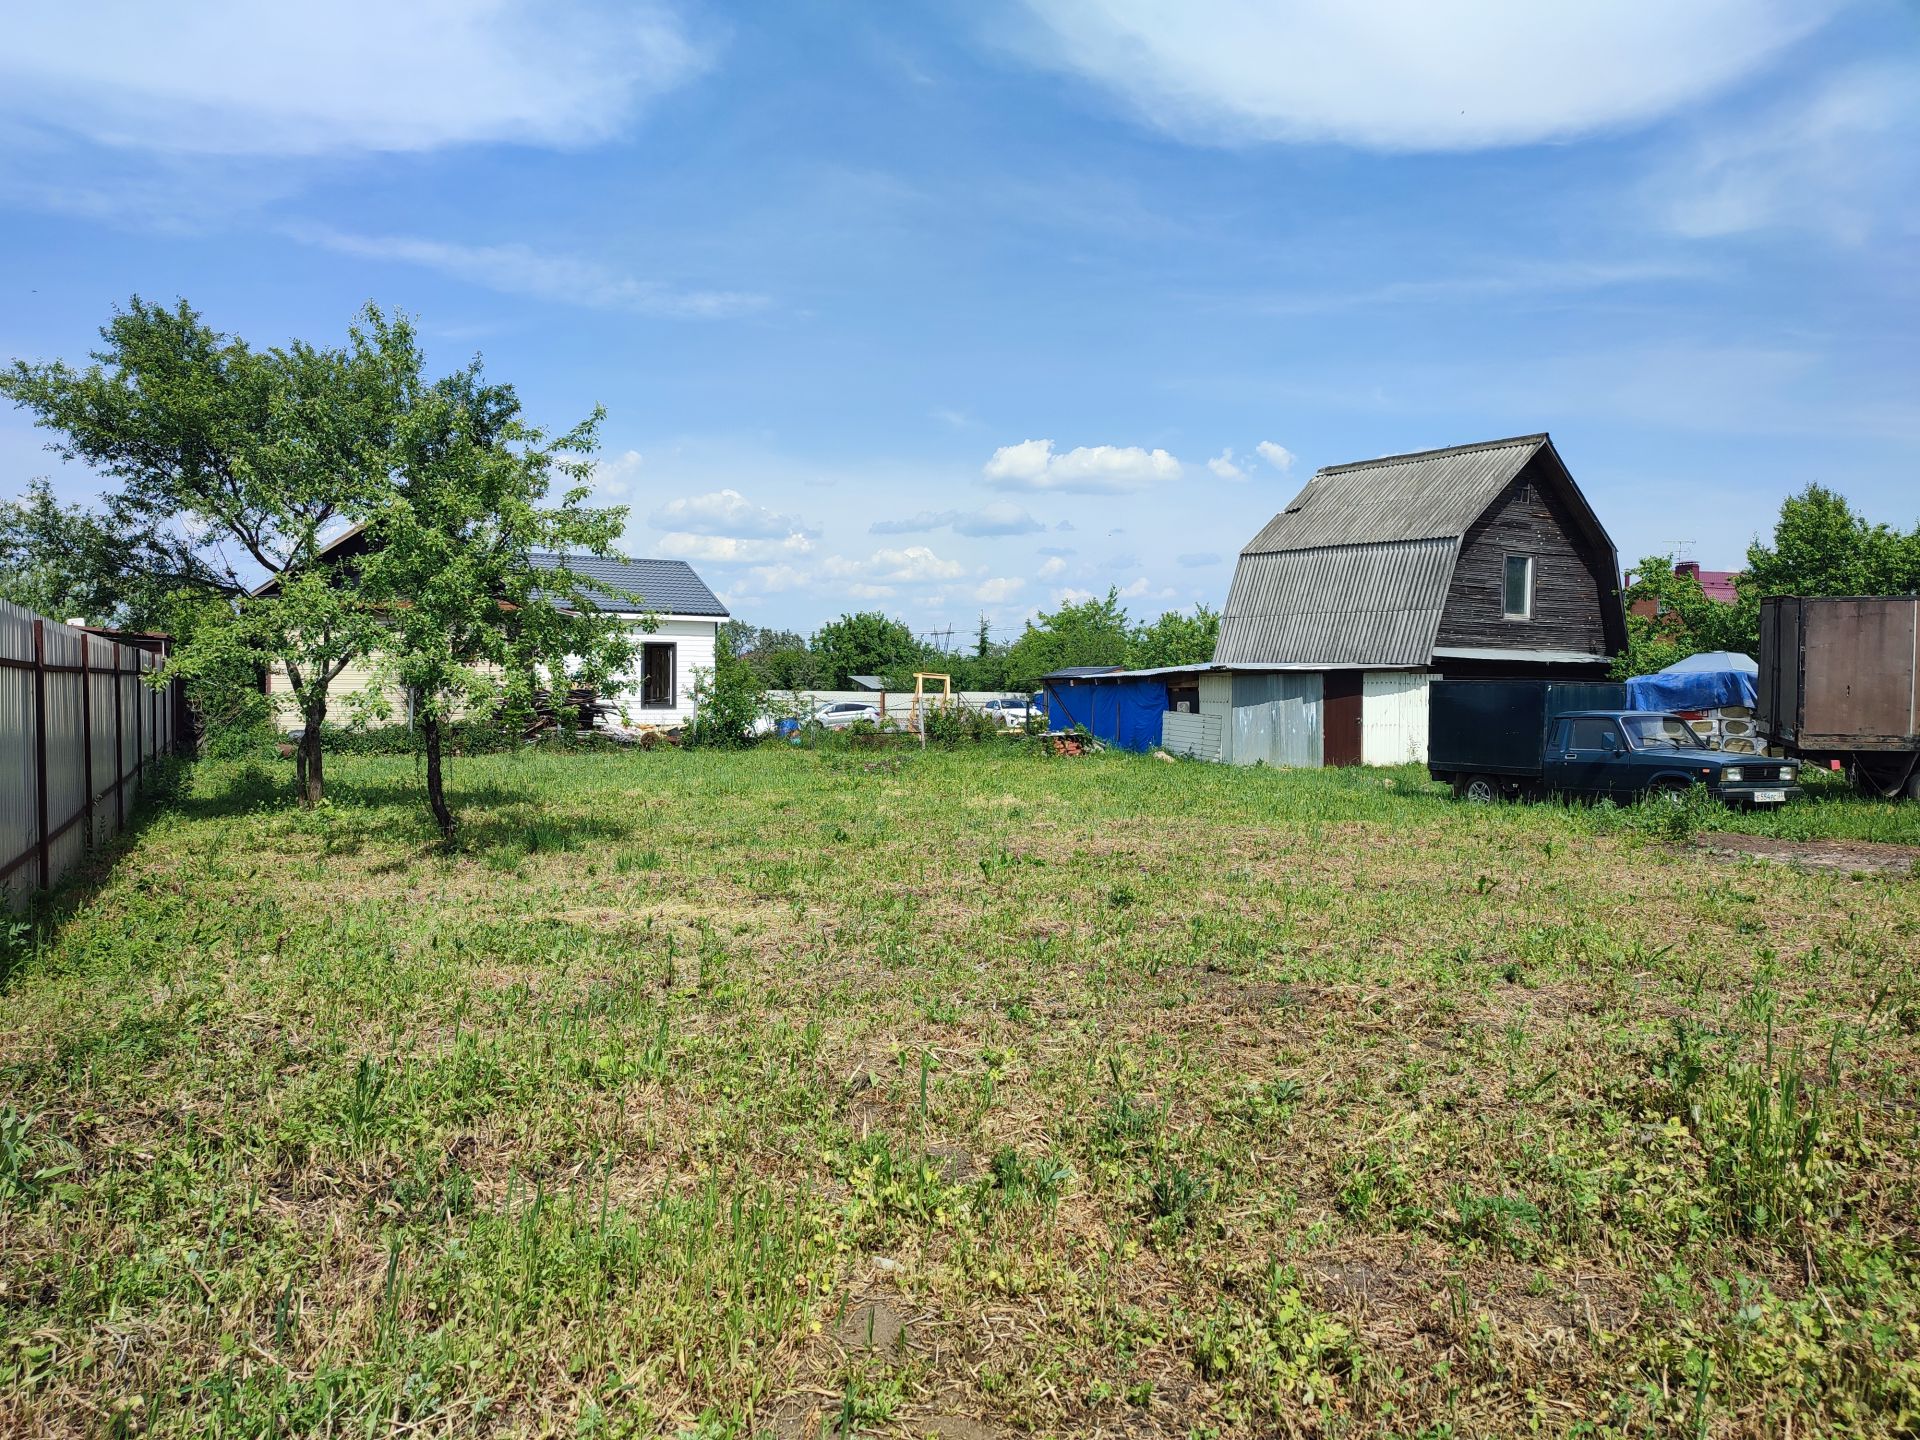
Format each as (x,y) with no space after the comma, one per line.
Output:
(842,713)
(1009,714)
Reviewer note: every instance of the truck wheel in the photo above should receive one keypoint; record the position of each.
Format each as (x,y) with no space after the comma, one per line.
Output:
(1481,790)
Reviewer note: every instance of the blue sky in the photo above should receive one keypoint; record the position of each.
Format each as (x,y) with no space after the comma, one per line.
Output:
(963,308)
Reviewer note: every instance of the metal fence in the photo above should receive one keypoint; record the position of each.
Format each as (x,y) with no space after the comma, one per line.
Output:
(78,728)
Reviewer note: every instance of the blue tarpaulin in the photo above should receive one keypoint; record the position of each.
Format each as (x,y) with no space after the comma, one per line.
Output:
(1708,681)
(1119,712)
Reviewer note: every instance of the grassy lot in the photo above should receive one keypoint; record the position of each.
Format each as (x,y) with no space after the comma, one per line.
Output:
(963,1094)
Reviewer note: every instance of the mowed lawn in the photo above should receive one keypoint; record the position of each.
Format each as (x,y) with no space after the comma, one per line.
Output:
(967,1094)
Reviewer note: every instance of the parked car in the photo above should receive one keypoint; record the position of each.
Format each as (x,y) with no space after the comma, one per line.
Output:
(839,714)
(1009,714)
(1521,738)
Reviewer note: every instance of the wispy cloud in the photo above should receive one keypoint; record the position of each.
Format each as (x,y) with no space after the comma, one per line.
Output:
(1411,75)
(1513,279)
(999,518)
(233,77)
(521,270)
(725,512)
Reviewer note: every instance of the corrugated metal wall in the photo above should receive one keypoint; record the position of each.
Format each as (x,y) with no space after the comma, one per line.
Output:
(1200,736)
(1393,717)
(65,689)
(1276,719)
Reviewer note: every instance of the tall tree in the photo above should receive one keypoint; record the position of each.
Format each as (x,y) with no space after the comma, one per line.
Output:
(1821,547)
(1090,632)
(1176,638)
(869,643)
(232,466)
(469,622)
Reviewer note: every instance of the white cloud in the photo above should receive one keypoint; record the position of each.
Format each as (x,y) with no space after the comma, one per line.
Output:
(724,512)
(860,590)
(998,590)
(1413,75)
(236,77)
(999,518)
(1105,469)
(915,565)
(1278,456)
(729,549)
(1223,466)
(1052,568)
(1842,159)
(1136,589)
(520,270)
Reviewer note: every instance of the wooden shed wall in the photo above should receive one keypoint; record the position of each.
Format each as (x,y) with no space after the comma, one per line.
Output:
(1572,583)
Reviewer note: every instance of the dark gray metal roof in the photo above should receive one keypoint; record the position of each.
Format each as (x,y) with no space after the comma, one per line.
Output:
(1397,497)
(1522,657)
(867,682)
(668,587)
(1081,672)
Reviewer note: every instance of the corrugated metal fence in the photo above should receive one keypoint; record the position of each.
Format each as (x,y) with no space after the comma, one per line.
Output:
(78,728)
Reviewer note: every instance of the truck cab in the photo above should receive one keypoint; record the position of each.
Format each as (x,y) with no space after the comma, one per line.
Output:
(1626,754)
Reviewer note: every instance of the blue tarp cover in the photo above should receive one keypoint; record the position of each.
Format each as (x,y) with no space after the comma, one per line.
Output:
(1120,712)
(1707,681)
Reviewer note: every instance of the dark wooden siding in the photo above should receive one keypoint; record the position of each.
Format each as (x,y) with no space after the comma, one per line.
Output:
(1572,583)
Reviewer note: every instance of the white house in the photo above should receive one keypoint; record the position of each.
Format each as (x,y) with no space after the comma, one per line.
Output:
(658,690)
(687,617)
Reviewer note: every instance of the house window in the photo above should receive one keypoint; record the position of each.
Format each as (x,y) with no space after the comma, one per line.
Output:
(1517,589)
(656,677)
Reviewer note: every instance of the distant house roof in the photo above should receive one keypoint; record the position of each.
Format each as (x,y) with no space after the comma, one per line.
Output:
(867,682)
(1718,584)
(1356,569)
(1081,672)
(668,587)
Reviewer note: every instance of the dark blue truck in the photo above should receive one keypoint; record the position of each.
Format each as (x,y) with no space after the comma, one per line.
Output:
(1494,739)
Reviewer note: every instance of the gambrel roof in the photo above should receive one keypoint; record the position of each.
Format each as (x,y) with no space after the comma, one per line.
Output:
(1356,569)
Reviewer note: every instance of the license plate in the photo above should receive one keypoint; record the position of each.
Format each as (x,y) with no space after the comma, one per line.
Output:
(1769,797)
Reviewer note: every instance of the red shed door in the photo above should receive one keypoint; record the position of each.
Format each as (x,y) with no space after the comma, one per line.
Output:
(1340,717)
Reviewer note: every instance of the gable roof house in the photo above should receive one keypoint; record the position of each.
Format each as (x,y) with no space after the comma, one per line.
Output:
(656,690)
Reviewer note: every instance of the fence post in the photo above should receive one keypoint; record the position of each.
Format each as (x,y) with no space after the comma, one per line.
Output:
(86,725)
(119,751)
(40,741)
(139,730)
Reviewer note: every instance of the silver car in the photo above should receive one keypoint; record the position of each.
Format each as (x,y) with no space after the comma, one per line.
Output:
(839,714)
(1010,714)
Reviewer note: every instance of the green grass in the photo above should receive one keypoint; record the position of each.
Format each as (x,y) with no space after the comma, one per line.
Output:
(1156,1099)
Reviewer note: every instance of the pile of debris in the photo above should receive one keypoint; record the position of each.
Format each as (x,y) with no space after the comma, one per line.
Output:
(1066,745)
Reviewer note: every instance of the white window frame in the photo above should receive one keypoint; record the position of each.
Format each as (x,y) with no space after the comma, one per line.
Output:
(1506,612)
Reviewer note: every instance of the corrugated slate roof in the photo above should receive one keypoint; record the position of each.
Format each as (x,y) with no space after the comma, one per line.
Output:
(669,587)
(1338,604)
(1397,497)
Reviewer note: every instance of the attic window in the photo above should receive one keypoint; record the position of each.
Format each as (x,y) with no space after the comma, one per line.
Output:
(1517,588)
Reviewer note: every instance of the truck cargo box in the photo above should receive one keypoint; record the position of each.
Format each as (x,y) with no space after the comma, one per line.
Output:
(1499,727)
(1840,675)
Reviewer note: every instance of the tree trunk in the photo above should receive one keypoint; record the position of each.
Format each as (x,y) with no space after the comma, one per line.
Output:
(310,772)
(436,788)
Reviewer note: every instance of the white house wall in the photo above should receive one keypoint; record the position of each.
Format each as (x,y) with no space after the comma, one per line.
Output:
(1393,717)
(693,639)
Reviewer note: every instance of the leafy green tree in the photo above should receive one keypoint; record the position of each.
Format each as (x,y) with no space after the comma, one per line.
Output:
(727,699)
(779,659)
(1669,617)
(1092,632)
(468,623)
(1176,638)
(231,465)
(1821,547)
(868,643)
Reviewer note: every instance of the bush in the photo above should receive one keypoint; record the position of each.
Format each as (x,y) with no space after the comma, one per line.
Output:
(957,725)
(727,701)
